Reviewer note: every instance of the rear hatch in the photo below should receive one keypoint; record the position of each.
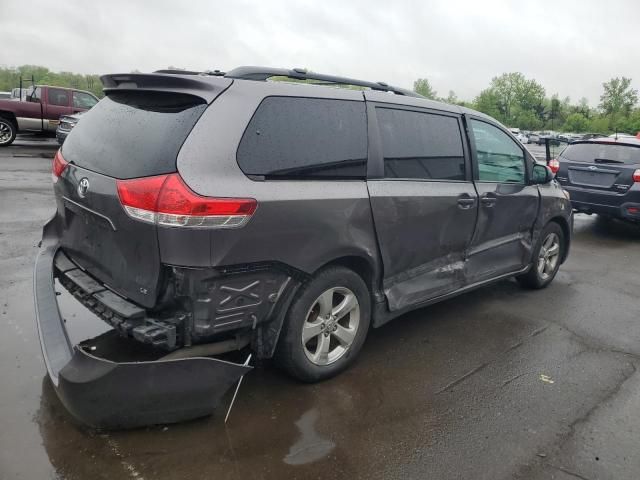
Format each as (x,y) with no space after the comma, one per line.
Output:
(606,166)
(133,132)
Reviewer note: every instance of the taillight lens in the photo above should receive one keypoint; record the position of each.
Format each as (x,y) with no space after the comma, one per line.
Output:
(636,176)
(59,164)
(554,165)
(167,200)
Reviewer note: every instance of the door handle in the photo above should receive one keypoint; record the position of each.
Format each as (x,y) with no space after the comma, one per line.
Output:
(466,202)
(488,200)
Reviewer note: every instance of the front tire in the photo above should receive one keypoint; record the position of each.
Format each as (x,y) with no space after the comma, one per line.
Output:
(8,132)
(326,325)
(547,257)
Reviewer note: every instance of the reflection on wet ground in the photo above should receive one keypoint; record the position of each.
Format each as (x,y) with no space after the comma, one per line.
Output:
(310,446)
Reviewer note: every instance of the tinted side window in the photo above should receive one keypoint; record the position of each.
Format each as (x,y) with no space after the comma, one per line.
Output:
(305,138)
(83,100)
(500,159)
(58,97)
(420,145)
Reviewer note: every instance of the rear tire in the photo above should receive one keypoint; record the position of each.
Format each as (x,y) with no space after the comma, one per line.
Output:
(326,325)
(547,257)
(8,132)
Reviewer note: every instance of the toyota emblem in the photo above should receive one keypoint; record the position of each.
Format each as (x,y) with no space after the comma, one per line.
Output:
(83,186)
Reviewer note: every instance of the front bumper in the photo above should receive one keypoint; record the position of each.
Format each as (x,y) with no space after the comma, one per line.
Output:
(106,394)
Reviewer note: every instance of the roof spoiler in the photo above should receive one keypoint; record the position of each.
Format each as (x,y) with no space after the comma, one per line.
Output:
(206,88)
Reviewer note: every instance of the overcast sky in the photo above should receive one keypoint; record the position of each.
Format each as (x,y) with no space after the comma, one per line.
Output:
(571,47)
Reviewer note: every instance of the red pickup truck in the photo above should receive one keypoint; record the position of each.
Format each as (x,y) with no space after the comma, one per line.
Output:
(40,110)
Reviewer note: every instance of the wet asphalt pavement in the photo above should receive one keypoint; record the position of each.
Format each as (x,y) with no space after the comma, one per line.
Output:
(499,383)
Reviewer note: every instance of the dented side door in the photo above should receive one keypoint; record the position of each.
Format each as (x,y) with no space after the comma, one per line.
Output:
(423,225)
(508,203)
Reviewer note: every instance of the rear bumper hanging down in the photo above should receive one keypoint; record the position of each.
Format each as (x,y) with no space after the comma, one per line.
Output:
(106,394)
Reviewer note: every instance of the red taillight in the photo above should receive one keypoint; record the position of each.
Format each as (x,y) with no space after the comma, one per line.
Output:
(636,176)
(167,200)
(554,165)
(59,164)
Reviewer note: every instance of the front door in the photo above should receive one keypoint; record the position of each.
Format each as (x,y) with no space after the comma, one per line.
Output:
(424,202)
(58,104)
(508,205)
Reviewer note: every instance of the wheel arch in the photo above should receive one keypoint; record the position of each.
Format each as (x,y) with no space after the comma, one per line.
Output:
(363,266)
(9,116)
(566,230)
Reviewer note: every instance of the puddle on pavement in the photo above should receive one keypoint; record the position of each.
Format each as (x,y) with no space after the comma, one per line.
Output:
(311,446)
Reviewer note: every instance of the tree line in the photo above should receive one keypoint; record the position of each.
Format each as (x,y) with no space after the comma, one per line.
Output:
(10,78)
(511,98)
(520,102)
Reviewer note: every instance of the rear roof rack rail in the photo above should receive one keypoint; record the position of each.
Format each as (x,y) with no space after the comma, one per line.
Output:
(175,71)
(264,73)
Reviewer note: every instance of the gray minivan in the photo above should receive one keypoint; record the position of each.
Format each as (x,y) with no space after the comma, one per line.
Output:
(202,213)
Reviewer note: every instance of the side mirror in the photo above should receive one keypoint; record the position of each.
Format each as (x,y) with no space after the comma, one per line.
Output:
(541,174)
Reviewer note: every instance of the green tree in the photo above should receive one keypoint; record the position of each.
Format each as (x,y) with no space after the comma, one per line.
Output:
(618,99)
(526,120)
(599,124)
(583,108)
(452,98)
(632,123)
(576,122)
(553,111)
(424,88)
(488,102)
(515,93)
(10,78)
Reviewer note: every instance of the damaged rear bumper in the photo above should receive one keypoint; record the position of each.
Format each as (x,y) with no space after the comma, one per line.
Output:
(106,394)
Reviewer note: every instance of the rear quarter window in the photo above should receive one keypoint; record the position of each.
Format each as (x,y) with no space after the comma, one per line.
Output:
(305,138)
(602,153)
(129,135)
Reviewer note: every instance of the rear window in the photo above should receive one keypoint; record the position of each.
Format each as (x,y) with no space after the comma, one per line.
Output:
(602,153)
(129,135)
(305,138)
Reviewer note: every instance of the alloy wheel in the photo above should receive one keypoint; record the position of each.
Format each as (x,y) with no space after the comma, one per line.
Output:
(548,256)
(5,132)
(331,326)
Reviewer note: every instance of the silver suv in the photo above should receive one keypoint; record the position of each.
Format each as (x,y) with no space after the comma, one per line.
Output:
(202,213)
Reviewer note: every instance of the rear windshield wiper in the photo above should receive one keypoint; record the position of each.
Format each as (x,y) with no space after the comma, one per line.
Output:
(607,160)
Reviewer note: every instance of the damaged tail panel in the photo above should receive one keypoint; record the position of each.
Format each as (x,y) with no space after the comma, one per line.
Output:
(121,394)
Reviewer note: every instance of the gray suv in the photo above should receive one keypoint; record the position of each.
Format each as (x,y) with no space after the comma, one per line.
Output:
(201,213)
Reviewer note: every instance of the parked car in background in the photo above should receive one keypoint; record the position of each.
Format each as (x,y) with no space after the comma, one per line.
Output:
(533,137)
(5,95)
(195,209)
(602,176)
(621,135)
(67,122)
(590,135)
(522,138)
(550,136)
(40,110)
